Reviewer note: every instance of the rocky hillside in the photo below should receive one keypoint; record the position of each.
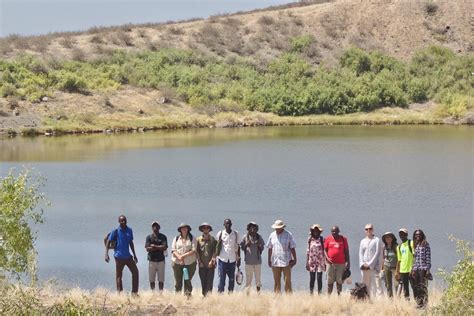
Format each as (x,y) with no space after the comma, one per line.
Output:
(396,27)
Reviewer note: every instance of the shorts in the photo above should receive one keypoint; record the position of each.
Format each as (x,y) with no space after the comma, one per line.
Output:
(335,272)
(155,268)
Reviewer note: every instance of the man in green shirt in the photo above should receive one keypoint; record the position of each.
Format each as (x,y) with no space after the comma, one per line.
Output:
(405,262)
(206,254)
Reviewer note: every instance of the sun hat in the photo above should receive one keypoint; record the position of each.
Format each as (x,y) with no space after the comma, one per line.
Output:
(184,225)
(205,224)
(403,230)
(155,223)
(278,224)
(252,224)
(316,226)
(389,234)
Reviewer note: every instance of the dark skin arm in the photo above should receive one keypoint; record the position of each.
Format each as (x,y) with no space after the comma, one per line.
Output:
(132,246)
(153,248)
(270,251)
(293,261)
(107,259)
(348,259)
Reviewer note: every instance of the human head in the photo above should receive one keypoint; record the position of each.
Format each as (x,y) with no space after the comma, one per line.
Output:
(389,239)
(316,230)
(419,236)
(206,228)
(227,224)
(279,226)
(155,227)
(369,230)
(403,234)
(122,221)
(252,228)
(184,229)
(335,231)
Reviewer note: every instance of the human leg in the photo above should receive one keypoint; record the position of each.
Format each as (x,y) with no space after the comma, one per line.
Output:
(312,278)
(287,278)
(277,279)
(221,274)
(132,266)
(178,277)
(119,265)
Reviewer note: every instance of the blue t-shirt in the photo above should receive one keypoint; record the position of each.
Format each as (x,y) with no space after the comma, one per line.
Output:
(123,239)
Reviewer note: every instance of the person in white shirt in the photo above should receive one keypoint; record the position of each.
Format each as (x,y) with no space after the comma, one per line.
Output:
(281,255)
(228,255)
(370,251)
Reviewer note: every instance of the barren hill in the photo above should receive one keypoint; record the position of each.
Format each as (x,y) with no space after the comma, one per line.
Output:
(396,27)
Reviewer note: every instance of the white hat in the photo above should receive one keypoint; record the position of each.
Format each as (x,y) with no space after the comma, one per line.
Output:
(278,224)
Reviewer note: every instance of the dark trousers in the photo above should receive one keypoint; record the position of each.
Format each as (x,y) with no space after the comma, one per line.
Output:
(406,281)
(312,277)
(178,277)
(389,275)
(225,269)
(420,288)
(207,279)
(132,266)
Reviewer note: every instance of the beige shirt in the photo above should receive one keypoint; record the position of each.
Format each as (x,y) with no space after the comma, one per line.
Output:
(181,247)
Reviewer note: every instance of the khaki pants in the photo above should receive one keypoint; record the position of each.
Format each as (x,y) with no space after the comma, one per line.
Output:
(335,272)
(250,271)
(156,269)
(277,272)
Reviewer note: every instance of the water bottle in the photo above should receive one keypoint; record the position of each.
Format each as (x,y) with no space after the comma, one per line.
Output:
(185,274)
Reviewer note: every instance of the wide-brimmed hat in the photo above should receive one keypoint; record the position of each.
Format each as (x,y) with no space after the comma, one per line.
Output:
(184,225)
(205,224)
(389,234)
(403,230)
(252,224)
(155,223)
(278,224)
(316,226)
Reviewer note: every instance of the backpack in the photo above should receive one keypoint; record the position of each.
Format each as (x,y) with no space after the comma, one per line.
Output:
(359,292)
(113,242)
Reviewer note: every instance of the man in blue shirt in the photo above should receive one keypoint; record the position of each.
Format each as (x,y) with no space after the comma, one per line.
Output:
(123,237)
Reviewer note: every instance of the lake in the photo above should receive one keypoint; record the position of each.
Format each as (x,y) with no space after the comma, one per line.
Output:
(391,176)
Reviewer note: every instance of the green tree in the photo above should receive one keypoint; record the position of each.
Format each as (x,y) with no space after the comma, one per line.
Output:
(20,208)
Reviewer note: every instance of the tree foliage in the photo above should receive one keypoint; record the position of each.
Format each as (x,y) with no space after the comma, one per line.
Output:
(20,201)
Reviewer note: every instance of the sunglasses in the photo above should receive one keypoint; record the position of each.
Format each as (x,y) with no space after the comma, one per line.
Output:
(369,229)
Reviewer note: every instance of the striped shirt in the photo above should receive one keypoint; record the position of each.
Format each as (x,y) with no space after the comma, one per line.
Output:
(422,260)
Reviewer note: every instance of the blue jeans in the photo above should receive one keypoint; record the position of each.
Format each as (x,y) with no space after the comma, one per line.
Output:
(223,269)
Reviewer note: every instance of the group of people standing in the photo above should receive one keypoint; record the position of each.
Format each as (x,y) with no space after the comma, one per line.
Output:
(407,263)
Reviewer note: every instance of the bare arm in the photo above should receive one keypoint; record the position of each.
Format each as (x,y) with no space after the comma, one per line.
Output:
(132,246)
(270,257)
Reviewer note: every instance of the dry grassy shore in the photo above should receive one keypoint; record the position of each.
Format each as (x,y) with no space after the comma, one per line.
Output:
(102,301)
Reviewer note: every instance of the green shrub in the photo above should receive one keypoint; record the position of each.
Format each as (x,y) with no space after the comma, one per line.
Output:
(301,43)
(458,299)
(19,199)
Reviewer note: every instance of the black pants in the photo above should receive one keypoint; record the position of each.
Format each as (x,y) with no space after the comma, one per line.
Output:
(132,266)
(312,277)
(407,281)
(420,288)
(207,279)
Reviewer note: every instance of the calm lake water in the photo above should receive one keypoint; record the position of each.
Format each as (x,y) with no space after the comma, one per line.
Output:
(408,176)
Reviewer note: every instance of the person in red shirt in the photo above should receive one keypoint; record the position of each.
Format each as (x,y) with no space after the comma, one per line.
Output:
(336,250)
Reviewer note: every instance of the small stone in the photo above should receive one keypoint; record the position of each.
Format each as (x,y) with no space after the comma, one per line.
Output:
(45,99)
(169,309)
(140,111)
(16,112)
(59,117)
(162,100)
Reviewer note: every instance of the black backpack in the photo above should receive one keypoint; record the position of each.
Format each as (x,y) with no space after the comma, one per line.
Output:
(359,292)
(113,242)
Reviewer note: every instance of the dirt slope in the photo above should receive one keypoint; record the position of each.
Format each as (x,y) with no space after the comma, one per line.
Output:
(397,27)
